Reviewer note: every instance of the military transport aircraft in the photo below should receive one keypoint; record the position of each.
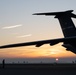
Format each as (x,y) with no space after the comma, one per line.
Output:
(68,28)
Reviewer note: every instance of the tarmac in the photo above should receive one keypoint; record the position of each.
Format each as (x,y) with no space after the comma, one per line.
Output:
(38,69)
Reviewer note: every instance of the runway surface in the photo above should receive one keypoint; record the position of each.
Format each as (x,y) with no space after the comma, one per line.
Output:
(38,69)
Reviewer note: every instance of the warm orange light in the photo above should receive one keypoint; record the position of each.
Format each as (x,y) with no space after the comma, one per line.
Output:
(34,52)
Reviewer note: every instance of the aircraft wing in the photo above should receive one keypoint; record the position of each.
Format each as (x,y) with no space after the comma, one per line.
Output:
(40,43)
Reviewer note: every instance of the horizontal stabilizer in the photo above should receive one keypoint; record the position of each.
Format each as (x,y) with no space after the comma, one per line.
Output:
(53,13)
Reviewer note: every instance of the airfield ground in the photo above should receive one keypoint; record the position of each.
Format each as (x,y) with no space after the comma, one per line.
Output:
(38,69)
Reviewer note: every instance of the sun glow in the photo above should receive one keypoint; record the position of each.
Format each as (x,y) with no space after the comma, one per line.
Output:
(56,59)
(54,51)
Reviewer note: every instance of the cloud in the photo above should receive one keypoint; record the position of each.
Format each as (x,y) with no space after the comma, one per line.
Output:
(22,36)
(14,26)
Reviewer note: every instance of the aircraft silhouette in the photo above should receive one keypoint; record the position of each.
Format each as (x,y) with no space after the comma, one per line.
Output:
(68,28)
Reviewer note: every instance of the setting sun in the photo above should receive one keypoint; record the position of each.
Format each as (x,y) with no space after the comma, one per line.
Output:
(57,59)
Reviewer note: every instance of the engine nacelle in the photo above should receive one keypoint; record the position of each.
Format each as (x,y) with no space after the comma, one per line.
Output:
(53,43)
(38,45)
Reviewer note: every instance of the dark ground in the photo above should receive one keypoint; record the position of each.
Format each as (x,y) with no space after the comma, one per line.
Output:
(38,69)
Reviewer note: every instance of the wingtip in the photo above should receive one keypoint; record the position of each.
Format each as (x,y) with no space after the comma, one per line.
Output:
(33,14)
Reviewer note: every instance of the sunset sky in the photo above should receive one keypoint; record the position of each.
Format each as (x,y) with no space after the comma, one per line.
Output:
(17,25)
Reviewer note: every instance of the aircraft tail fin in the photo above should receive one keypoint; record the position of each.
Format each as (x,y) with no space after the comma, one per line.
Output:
(65,20)
(67,25)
